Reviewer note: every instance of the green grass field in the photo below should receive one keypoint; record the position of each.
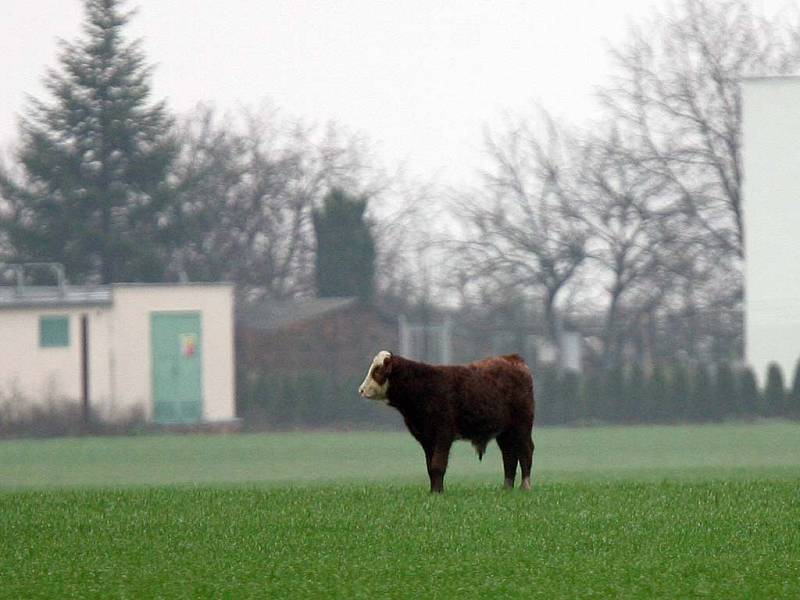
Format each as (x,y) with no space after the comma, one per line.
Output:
(668,512)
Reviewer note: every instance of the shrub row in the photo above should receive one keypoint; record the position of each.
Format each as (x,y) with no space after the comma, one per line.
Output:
(308,400)
(664,394)
(21,417)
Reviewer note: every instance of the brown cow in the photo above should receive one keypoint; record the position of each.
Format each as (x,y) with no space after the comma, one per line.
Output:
(480,401)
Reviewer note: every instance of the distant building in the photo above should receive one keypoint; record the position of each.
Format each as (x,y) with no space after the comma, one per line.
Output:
(337,336)
(771,161)
(163,353)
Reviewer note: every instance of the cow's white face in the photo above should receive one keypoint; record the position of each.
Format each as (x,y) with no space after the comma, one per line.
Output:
(376,384)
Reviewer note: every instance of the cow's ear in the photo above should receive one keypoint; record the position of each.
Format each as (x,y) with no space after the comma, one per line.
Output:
(387,365)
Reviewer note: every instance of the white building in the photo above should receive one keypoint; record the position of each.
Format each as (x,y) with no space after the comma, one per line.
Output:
(161,352)
(771,203)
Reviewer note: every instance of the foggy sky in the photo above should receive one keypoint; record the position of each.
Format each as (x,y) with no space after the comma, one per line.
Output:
(422,80)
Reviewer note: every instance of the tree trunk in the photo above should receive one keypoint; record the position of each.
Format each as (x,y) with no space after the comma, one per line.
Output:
(554,326)
(610,345)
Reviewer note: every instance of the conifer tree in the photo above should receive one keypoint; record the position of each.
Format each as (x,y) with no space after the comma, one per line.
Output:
(726,397)
(793,408)
(549,397)
(593,395)
(345,258)
(657,395)
(748,392)
(94,160)
(571,395)
(680,391)
(634,393)
(700,408)
(774,392)
(614,393)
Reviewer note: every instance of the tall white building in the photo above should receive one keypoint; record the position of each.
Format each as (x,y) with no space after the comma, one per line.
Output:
(771,203)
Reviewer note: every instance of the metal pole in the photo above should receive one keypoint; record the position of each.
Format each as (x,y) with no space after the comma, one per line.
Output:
(447,342)
(85,370)
(405,342)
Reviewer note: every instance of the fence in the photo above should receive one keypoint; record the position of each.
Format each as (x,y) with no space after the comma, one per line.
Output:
(665,394)
(670,394)
(432,343)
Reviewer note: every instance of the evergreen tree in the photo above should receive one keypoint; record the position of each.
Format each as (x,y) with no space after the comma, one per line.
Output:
(345,259)
(94,160)
(680,391)
(700,408)
(593,395)
(634,393)
(571,395)
(793,408)
(726,397)
(656,396)
(614,394)
(774,392)
(547,395)
(748,392)
(553,394)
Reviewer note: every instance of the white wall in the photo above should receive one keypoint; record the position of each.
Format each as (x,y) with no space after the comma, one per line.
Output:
(771,161)
(30,371)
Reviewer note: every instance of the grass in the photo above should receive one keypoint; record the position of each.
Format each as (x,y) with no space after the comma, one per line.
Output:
(639,453)
(666,512)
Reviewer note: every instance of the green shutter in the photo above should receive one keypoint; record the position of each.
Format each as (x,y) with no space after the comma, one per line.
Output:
(54,331)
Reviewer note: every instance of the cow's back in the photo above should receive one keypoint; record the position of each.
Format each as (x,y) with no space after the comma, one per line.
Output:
(490,396)
(509,375)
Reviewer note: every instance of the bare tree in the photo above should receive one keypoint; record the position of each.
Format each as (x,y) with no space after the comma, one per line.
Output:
(622,206)
(403,218)
(677,89)
(701,300)
(249,185)
(521,227)
(686,305)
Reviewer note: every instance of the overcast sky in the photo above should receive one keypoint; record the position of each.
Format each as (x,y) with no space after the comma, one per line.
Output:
(421,79)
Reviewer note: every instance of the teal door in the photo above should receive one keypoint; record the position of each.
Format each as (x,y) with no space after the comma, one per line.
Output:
(177,367)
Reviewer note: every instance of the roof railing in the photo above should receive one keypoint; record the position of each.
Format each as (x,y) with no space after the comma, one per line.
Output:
(19,270)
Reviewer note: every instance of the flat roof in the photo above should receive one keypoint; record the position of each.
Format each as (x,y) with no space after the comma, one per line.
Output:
(54,296)
(758,78)
(175,284)
(271,315)
(75,295)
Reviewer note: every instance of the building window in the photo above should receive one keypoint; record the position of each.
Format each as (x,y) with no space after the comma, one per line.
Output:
(54,331)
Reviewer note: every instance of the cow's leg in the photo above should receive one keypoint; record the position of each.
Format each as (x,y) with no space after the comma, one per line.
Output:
(525,450)
(509,451)
(439,458)
(428,448)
